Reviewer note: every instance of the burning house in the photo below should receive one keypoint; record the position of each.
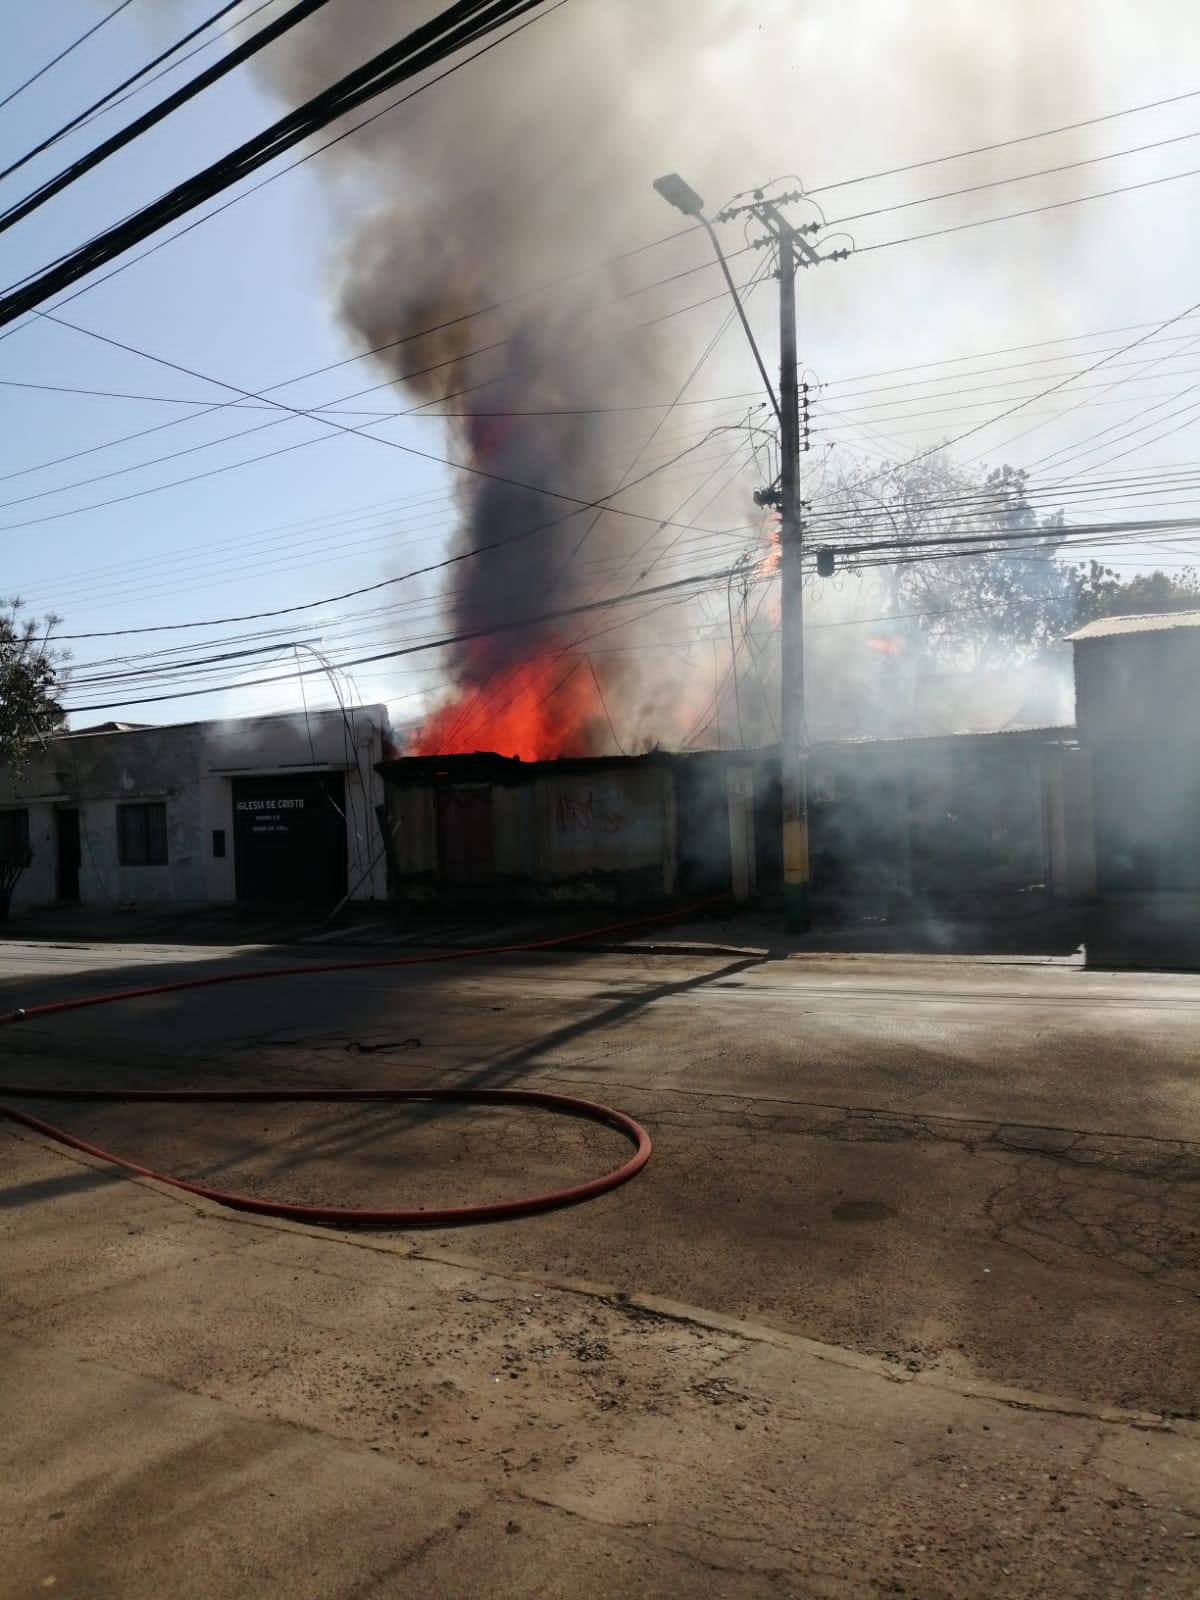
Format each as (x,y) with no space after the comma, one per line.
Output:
(961,824)
(622,830)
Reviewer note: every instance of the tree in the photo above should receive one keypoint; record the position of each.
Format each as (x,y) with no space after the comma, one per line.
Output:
(1102,592)
(1003,603)
(29,713)
(29,673)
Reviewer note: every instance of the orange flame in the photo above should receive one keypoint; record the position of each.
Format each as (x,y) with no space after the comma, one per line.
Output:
(883,645)
(771,533)
(536,709)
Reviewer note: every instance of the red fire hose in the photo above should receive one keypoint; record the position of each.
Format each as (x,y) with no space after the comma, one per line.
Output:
(345,1216)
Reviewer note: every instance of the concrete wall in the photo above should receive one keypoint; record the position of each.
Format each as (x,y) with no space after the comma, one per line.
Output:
(322,741)
(1135,705)
(159,764)
(743,856)
(1124,682)
(944,819)
(604,836)
(191,769)
(519,835)
(36,885)
(1071,822)
(611,836)
(95,774)
(411,815)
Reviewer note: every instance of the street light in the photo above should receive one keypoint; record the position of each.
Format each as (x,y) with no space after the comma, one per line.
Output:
(793,740)
(684,198)
(679,194)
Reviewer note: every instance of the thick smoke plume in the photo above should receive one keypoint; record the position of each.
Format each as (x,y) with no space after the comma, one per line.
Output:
(529,167)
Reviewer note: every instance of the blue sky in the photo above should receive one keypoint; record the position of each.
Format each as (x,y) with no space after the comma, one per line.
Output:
(246,297)
(243,296)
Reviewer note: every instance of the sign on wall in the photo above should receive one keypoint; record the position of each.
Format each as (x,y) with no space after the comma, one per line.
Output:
(290,838)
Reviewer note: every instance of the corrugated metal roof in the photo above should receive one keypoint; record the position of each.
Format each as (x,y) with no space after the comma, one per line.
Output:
(1158,622)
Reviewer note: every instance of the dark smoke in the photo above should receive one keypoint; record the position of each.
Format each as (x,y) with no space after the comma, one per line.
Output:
(533,164)
(523,171)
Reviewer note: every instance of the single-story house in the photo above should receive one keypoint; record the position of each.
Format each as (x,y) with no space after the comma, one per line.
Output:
(271,809)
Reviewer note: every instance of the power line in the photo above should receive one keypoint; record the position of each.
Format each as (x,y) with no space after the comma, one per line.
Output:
(1006,144)
(463,23)
(1003,350)
(1029,211)
(247,398)
(1020,177)
(513,625)
(156,114)
(910,551)
(1020,538)
(64,53)
(919,389)
(196,477)
(370,588)
(290,531)
(1053,388)
(296,411)
(150,119)
(680,233)
(467,467)
(380,534)
(346,133)
(107,100)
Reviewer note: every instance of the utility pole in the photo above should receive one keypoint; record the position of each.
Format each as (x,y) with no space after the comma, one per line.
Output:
(793,720)
(793,250)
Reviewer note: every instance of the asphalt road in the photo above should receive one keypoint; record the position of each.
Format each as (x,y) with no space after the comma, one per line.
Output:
(900,1187)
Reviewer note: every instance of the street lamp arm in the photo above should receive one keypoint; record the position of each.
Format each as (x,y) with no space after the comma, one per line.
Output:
(741,311)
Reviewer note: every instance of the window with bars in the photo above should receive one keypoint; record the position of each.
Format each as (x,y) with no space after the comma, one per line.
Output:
(142,834)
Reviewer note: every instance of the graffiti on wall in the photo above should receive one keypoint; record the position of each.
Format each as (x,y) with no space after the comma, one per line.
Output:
(607,820)
(583,813)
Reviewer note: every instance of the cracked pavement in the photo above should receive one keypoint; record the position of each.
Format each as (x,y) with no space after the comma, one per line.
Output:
(906,1303)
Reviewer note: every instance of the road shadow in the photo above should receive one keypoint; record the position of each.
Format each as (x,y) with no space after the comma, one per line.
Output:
(204,1036)
(341,1133)
(436,926)
(81,1180)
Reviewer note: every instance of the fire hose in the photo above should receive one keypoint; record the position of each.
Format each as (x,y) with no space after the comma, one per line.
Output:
(342,1216)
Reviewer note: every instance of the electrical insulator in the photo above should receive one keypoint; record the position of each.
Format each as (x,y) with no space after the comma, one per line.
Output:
(825,562)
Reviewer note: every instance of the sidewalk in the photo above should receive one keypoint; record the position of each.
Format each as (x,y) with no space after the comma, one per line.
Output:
(1037,931)
(206,1406)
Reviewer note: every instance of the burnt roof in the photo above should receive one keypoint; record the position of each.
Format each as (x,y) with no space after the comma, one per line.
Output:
(485,766)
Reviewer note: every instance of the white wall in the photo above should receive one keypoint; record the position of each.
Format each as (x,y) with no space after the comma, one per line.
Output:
(322,741)
(191,769)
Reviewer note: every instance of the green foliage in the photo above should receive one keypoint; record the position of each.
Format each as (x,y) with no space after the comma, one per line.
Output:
(1102,592)
(1000,604)
(29,675)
